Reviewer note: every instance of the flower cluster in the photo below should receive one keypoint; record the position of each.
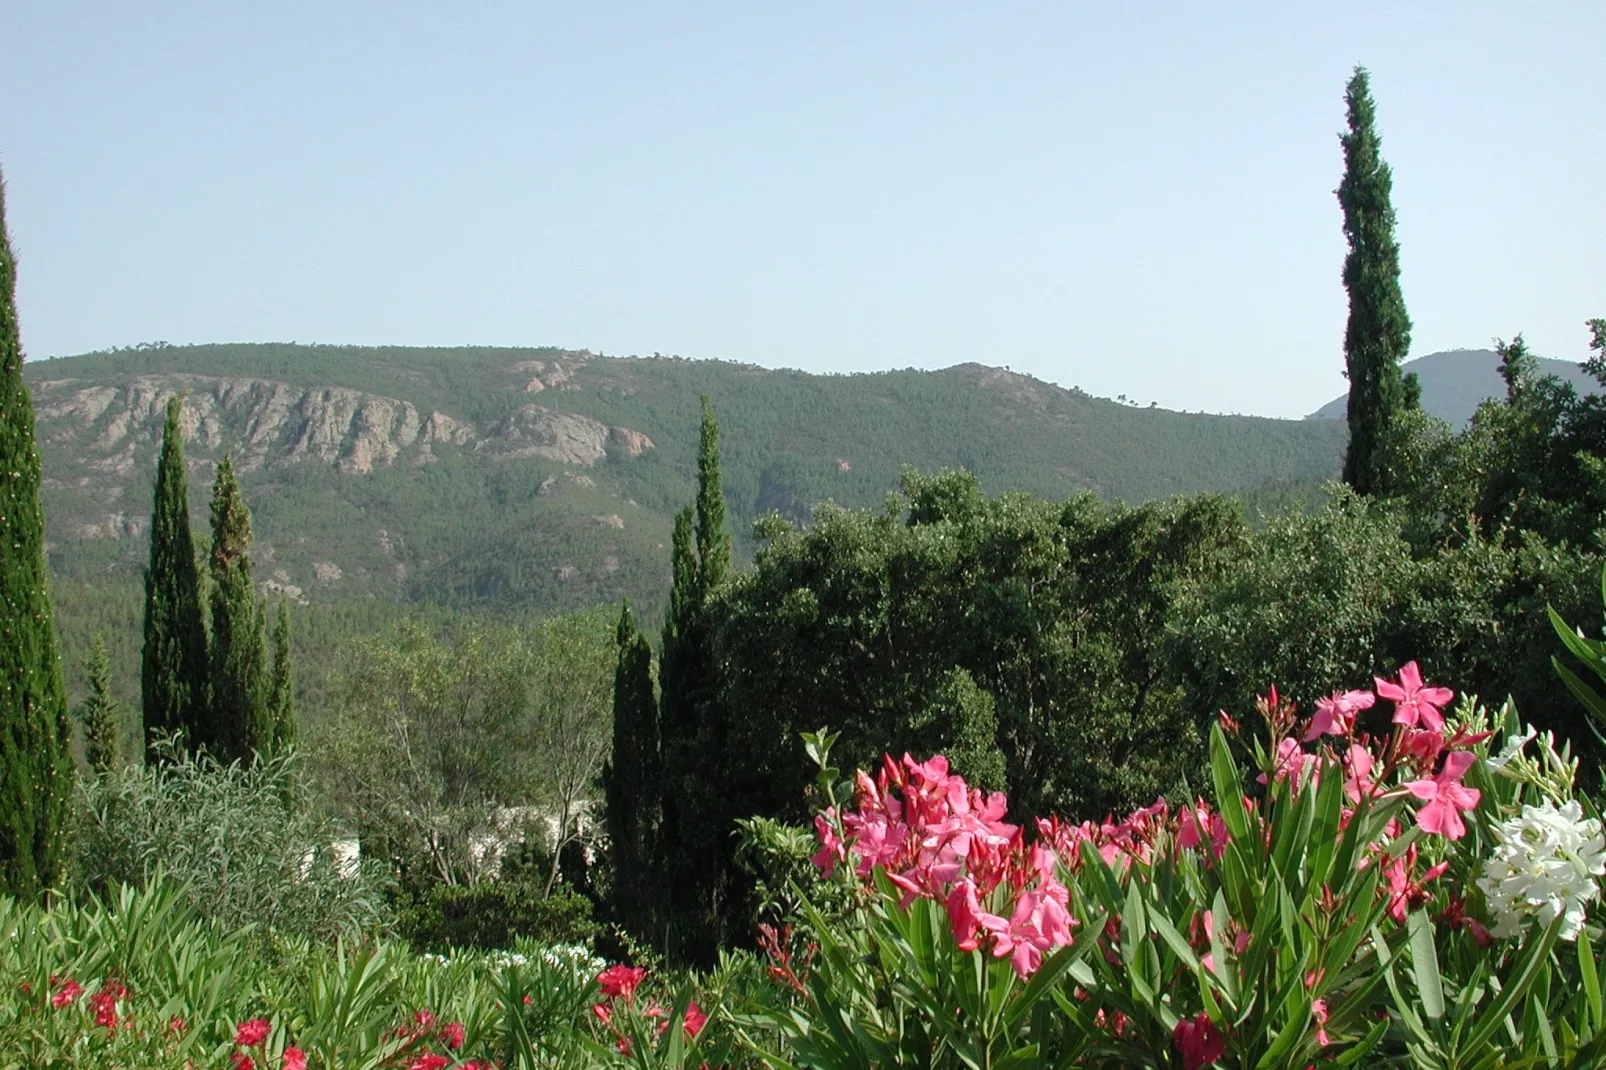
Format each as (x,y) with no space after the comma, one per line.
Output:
(252,1037)
(619,985)
(1544,867)
(937,838)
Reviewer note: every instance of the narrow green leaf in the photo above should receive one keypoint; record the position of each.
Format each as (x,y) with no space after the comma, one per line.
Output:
(1425,964)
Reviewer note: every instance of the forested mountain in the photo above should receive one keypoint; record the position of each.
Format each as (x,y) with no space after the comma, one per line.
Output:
(473,476)
(537,480)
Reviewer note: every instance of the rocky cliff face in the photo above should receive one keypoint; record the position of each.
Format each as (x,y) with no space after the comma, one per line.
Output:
(99,441)
(267,424)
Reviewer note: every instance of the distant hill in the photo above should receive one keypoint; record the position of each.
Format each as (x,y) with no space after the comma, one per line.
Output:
(1456,381)
(541,480)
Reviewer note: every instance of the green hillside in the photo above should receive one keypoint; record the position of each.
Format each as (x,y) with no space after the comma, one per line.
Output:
(537,480)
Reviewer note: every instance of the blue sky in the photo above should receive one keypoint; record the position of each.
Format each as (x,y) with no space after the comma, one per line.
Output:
(1131,198)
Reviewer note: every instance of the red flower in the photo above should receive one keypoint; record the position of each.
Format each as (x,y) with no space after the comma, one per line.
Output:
(695,1019)
(453,1032)
(250,1034)
(429,1061)
(242,1061)
(1198,1040)
(176,1025)
(294,1059)
(424,1019)
(621,980)
(69,991)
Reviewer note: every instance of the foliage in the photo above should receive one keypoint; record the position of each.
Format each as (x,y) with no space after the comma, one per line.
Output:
(632,785)
(281,688)
(234,842)
(1340,594)
(1054,614)
(442,749)
(494,914)
(695,852)
(173,669)
(1378,332)
(35,764)
(241,723)
(102,717)
(1337,913)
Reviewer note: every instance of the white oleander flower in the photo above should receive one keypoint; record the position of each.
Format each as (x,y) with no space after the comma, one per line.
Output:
(1513,748)
(1544,867)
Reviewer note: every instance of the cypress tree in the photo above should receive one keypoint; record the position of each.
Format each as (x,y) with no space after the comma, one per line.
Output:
(696,845)
(713,541)
(102,716)
(241,722)
(1378,333)
(631,782)
(281,692)
(173,671)
(35,762)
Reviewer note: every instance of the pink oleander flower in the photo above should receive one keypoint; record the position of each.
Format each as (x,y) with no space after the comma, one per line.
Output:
(621,980)
(1199,1041)
(453,1033)
(1335,715)
(423,1019)
(241,1061)
(1358,763)
(1294,765)
(69,991)
(694,1021)
(1446,797)
(429,1061)
(970,922)
(1413,703)
(1318,1011)
(250,1034)
(1196,824)
(831,850)
(294,1059)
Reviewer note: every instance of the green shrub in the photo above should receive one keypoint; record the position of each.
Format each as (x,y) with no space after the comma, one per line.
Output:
(240,841)
(493,915)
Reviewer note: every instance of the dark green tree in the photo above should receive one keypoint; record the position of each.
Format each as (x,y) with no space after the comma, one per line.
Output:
(281,688)
(697,845)
(1378,332)
(241,720)
(631,781)
(173,664)
(101,714)
(35,764)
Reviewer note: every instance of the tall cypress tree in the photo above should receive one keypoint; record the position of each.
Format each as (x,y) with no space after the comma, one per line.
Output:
(241,721)
(35,763)
(631,781)
(102,716)
(713,541)
(173,671)
(1378,333)
(697,843)
(281,690)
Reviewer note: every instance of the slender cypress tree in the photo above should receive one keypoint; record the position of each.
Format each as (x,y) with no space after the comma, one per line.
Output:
(1378,333)
(281,692)
(713,540)
(102,715)
(173,672)
(242,724)
(631,783)
(696,843)
(35,763)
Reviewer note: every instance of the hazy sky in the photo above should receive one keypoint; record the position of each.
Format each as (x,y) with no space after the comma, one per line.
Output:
(1133,198)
